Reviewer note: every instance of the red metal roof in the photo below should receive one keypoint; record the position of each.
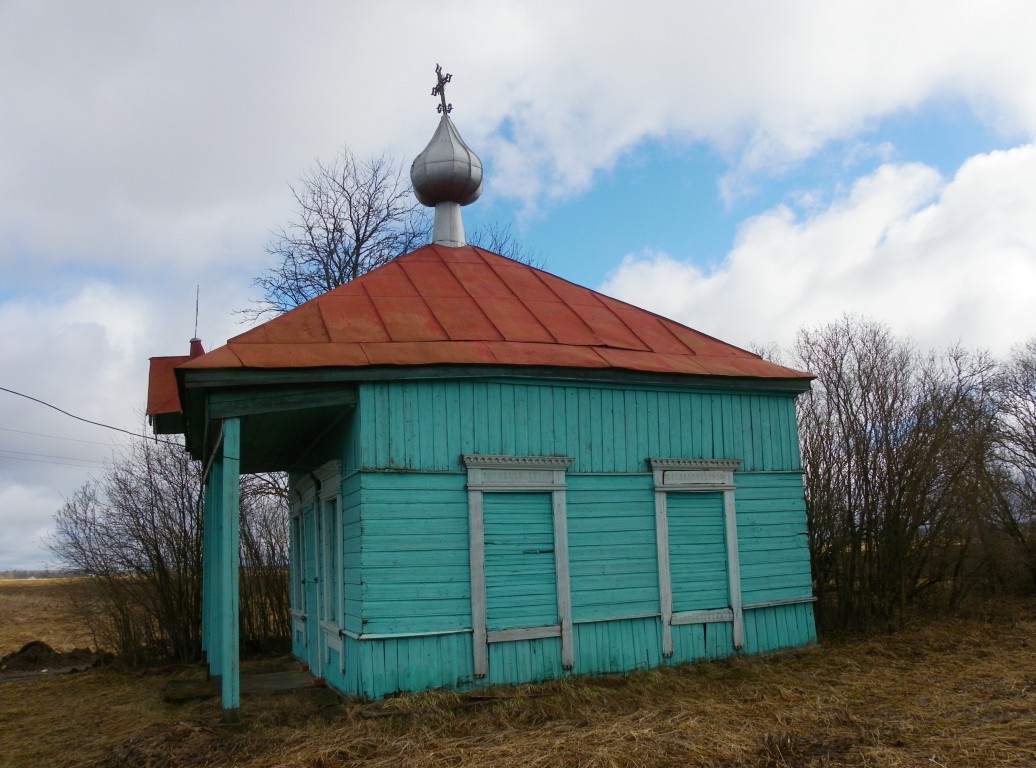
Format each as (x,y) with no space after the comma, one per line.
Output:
(162,396)
(467,306)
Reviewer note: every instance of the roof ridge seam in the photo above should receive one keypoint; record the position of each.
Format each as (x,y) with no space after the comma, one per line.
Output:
(518,298)
(489,320)
(565,304)
(657,317)
(424,301)
(374,306)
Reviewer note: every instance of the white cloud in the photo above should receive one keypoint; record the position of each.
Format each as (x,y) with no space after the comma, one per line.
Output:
(146,147)
(86,353)
(939,261)
(146,131)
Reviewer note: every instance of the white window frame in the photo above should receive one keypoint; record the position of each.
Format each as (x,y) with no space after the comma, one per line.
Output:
(696,476)
(329,476)
(517,474)
(304,496)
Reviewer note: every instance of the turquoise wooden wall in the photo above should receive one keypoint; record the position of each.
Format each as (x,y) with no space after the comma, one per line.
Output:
(426,426)
(406,545)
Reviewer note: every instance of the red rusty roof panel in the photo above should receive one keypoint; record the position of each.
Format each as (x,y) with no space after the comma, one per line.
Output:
(420,353)
(702,344)
(221,357)
(514,320)
(481,280)
(467,306)
(463,319)
(387,280)
(352,318)
(162,395)
(326,355)
(649,328)
(563,323)
(433,278)
(552,355)
(637,360)
(524,281)
(409,319)
(303,325)
(609,327)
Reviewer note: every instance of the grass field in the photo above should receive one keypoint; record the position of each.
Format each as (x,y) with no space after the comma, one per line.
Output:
(38,609)
(955,692)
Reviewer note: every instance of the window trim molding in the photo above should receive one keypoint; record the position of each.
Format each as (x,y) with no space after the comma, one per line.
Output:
(696,476)
(516,474)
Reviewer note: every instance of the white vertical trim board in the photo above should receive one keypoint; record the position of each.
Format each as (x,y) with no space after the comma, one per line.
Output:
(477,562)
(696,476)
(734,568)
(665,585)
(516,474)
(561,574)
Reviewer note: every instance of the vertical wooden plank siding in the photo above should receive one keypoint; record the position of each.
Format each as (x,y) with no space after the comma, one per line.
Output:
(229,574)
(414,602)
(425,426)
(351,546)
(773,541)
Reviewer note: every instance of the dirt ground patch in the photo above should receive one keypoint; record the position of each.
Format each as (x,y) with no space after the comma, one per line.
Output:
(957,692)
(37,656)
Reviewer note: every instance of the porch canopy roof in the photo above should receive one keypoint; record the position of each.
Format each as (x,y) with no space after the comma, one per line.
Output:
(465,309)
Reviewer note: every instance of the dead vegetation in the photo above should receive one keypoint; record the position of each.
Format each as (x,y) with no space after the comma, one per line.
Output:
(38,609)
(956,692)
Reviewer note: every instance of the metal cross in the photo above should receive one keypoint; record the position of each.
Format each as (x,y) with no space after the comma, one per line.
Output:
(440,90)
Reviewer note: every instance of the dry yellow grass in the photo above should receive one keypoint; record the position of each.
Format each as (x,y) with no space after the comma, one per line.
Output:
(958,692)
(37,609)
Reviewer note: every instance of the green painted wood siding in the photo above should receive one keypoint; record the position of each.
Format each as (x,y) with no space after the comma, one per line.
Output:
(405,528)
(414,557)
(351,546)
(613,559)
(427,425)
(773,542)
(697,551)
(521,581)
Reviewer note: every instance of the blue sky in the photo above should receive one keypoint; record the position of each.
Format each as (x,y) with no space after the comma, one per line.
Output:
(747,169)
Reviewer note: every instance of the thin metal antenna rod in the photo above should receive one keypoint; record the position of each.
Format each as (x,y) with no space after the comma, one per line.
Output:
(197,295)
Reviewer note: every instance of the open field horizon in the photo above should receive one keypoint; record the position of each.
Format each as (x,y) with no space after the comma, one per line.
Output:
(949,692)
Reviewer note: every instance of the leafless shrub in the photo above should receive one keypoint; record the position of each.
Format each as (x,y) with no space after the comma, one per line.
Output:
(136,533)
(901,470)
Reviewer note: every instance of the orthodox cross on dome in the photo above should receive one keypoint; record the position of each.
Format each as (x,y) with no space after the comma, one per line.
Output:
(440,90)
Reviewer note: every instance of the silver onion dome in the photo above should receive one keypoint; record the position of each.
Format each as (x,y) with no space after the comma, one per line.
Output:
(447,174)
(447,171)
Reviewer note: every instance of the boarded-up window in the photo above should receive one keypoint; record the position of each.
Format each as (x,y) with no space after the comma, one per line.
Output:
(697,551)
(521,581)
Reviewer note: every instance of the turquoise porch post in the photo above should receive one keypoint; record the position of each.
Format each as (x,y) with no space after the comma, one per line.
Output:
(212,606)
(229,560)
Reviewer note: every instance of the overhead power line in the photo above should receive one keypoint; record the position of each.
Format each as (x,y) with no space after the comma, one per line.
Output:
(80,418)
